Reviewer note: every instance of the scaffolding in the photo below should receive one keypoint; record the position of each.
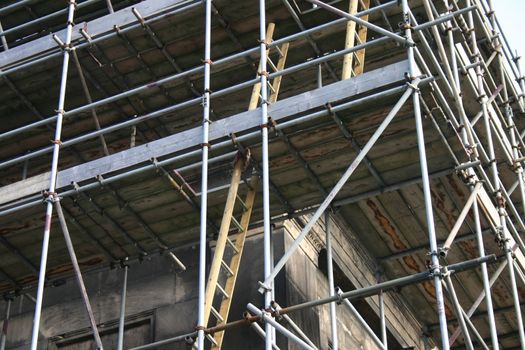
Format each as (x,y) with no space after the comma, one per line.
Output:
(447,71)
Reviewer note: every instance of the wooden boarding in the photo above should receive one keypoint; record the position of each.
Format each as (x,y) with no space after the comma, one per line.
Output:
(99,26)
(365,83)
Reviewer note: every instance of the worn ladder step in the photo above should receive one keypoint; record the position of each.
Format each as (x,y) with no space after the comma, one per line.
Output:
(223,292)
(270,85)
(237,224)
(232,245)
(243,205)
(217,315)
(211,339)
(281,54)
(227,268)
(272,65)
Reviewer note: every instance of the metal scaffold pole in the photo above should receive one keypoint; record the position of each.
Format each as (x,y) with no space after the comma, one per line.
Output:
(331,285)
(204,175)
(267,251)
(502,235)
(477,221)
(52,182)
(435,268)
(5,327)
(122,318)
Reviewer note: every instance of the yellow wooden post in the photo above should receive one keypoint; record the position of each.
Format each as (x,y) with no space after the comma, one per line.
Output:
(361,34)
(348,59)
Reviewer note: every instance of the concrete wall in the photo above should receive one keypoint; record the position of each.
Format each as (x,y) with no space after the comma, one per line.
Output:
(162,303)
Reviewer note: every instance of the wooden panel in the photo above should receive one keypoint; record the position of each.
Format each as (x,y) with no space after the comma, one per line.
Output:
(222,128)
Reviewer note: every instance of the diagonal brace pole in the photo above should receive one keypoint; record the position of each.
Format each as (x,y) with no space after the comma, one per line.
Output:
(269,319)
(459,311)
(78,273)
(453,233)
(480,298)
(268,281)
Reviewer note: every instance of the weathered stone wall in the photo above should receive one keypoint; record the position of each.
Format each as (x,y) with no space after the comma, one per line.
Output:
(161,303)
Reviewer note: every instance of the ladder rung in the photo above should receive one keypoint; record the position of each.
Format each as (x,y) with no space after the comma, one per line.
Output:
(279,51)
(227,268)
(237,224)
(217,315)
(223,292)
(272,65)
(356,35)
(211,339)
(270,85)
(232,245)
(243,205)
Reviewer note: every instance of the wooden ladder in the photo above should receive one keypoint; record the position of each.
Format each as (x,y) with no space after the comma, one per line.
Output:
(221,269)
(351,67)
(219,297)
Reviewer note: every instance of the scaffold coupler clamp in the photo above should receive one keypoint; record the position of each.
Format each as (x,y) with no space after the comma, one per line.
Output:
(124,262)
(50,197)
(269,123)
(443,252)
(275,310)
(263,287)
(434,269)
(155,163)
(100,179)
(204,102)
(500,237)
(409,80)
(339,294)
(512,250)
(444,272)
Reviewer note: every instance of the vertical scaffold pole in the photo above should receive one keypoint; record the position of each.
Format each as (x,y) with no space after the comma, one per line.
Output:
(331,287)
(477,222)
(53,175)
(497,184)
(263,74)
(3,335)
(122,318)
(436,270)
(382,316)
(204,170)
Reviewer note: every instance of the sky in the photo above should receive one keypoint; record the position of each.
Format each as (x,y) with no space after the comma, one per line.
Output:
(511,15)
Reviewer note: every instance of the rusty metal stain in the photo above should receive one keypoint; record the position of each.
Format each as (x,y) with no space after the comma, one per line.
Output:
(438,198)
(428,286)
(470,249)
(387,227)
(452,180)
(453,184)
(7,230)
(502,295)
(409,261)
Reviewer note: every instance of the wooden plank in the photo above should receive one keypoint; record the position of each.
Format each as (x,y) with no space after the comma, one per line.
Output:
(96,27)
(349,41)
(188,139)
